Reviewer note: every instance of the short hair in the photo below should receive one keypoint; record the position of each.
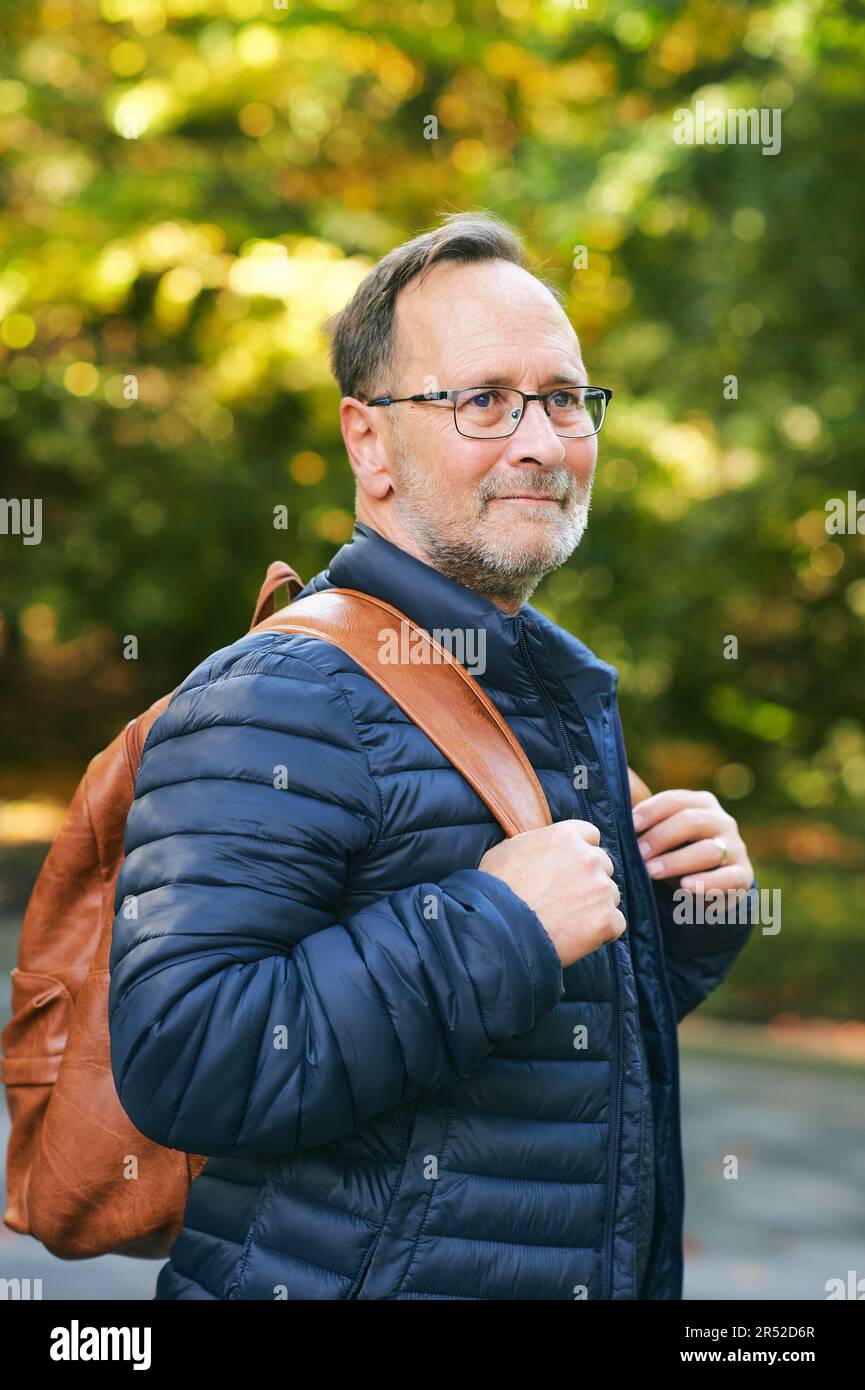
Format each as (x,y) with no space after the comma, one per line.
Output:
(362,338)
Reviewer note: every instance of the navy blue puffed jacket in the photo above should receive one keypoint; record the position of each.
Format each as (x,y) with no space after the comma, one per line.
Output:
(401,1093)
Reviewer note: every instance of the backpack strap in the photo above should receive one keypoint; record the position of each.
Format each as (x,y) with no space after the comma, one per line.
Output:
(278,572)
(438,695)
(452,709)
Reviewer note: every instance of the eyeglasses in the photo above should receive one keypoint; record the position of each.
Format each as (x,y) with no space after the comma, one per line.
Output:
(493,412)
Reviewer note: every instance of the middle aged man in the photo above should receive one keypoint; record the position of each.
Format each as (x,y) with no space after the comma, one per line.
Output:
(425,1062)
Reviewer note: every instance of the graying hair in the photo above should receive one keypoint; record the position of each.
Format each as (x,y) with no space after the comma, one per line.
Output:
(362,334)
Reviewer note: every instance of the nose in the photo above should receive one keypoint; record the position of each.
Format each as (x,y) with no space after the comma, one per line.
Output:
(535,437)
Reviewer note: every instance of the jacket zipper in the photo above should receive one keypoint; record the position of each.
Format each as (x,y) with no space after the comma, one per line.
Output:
(570,758)
(558,723)
(364,1267)
(376,1241)
(670,1020)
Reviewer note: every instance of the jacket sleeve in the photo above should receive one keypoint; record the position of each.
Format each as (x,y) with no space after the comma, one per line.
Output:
(699,957)
(246,1017)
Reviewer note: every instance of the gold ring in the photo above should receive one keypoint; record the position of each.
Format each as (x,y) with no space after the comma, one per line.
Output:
(722,846)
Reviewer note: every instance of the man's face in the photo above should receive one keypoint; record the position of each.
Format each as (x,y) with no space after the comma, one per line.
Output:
(495,514)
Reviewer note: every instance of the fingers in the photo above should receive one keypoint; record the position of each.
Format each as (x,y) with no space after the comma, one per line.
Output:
(692,859)
(587,831)
(663,804)
(618,925)
(692,823)
(731,876)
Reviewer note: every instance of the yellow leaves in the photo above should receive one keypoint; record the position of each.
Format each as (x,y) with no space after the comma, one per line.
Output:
(146,109)
(396,72)
(855,596)
(801,426)
(39,623)
(677,51)
(618,293)
(81,379)
(454,109)
(13,97)
(307,468)
(114,271)
(185,256)
(689,452)
(56,14)
(811,528)
(127,58)
(168,244)
(245,9)
(17,330)
(48,61)
(61,177)
(606,233)
(311,111)
(191,76)
(265,268)
(358,53)
(738,467)
(178,288)
(633,29)
(827,558)
(584,81)
(470,156)
(306,280)
(333,524)
(30,819)
(506,60)
(255,119)
(147,17)
(259,46)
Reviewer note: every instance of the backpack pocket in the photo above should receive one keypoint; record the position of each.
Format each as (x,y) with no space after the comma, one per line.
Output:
(33,1042)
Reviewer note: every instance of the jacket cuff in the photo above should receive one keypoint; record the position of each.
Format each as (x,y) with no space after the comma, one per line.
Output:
(690,938)
(533,939)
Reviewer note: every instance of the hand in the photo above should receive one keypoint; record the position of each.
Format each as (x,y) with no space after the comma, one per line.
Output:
(567,880)
(696,821)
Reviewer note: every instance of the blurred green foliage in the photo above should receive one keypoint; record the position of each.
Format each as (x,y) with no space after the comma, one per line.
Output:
(190,187)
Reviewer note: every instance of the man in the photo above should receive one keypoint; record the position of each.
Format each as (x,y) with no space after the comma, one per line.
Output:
(425,1062)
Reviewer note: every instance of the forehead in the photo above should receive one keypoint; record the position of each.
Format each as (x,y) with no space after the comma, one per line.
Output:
(488,313)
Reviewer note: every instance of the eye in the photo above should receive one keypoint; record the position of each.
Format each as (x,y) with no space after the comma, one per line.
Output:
(566,400)
(484,399)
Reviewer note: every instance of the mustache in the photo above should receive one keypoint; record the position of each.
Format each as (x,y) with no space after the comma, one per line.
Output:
(557,484)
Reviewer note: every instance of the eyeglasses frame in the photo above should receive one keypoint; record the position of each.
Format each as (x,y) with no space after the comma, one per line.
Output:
(526,395)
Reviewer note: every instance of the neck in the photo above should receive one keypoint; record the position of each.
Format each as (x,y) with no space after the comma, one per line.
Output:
(389,524)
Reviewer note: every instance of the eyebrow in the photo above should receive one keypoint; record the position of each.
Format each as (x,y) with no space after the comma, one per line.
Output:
(572,378)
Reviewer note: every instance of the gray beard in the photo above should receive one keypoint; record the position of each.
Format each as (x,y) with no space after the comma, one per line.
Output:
(513,580)
(513,576)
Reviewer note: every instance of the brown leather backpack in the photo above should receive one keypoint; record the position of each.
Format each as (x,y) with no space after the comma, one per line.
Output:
(81,1178)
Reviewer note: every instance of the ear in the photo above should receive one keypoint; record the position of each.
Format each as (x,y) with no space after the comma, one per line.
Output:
(364,432)
(639,790)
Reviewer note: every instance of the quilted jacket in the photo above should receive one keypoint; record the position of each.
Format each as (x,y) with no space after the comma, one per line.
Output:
(401,1092)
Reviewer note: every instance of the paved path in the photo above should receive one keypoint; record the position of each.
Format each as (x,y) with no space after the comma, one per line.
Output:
(795,1215)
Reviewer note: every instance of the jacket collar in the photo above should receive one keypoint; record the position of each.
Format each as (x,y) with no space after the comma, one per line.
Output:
(373,564)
